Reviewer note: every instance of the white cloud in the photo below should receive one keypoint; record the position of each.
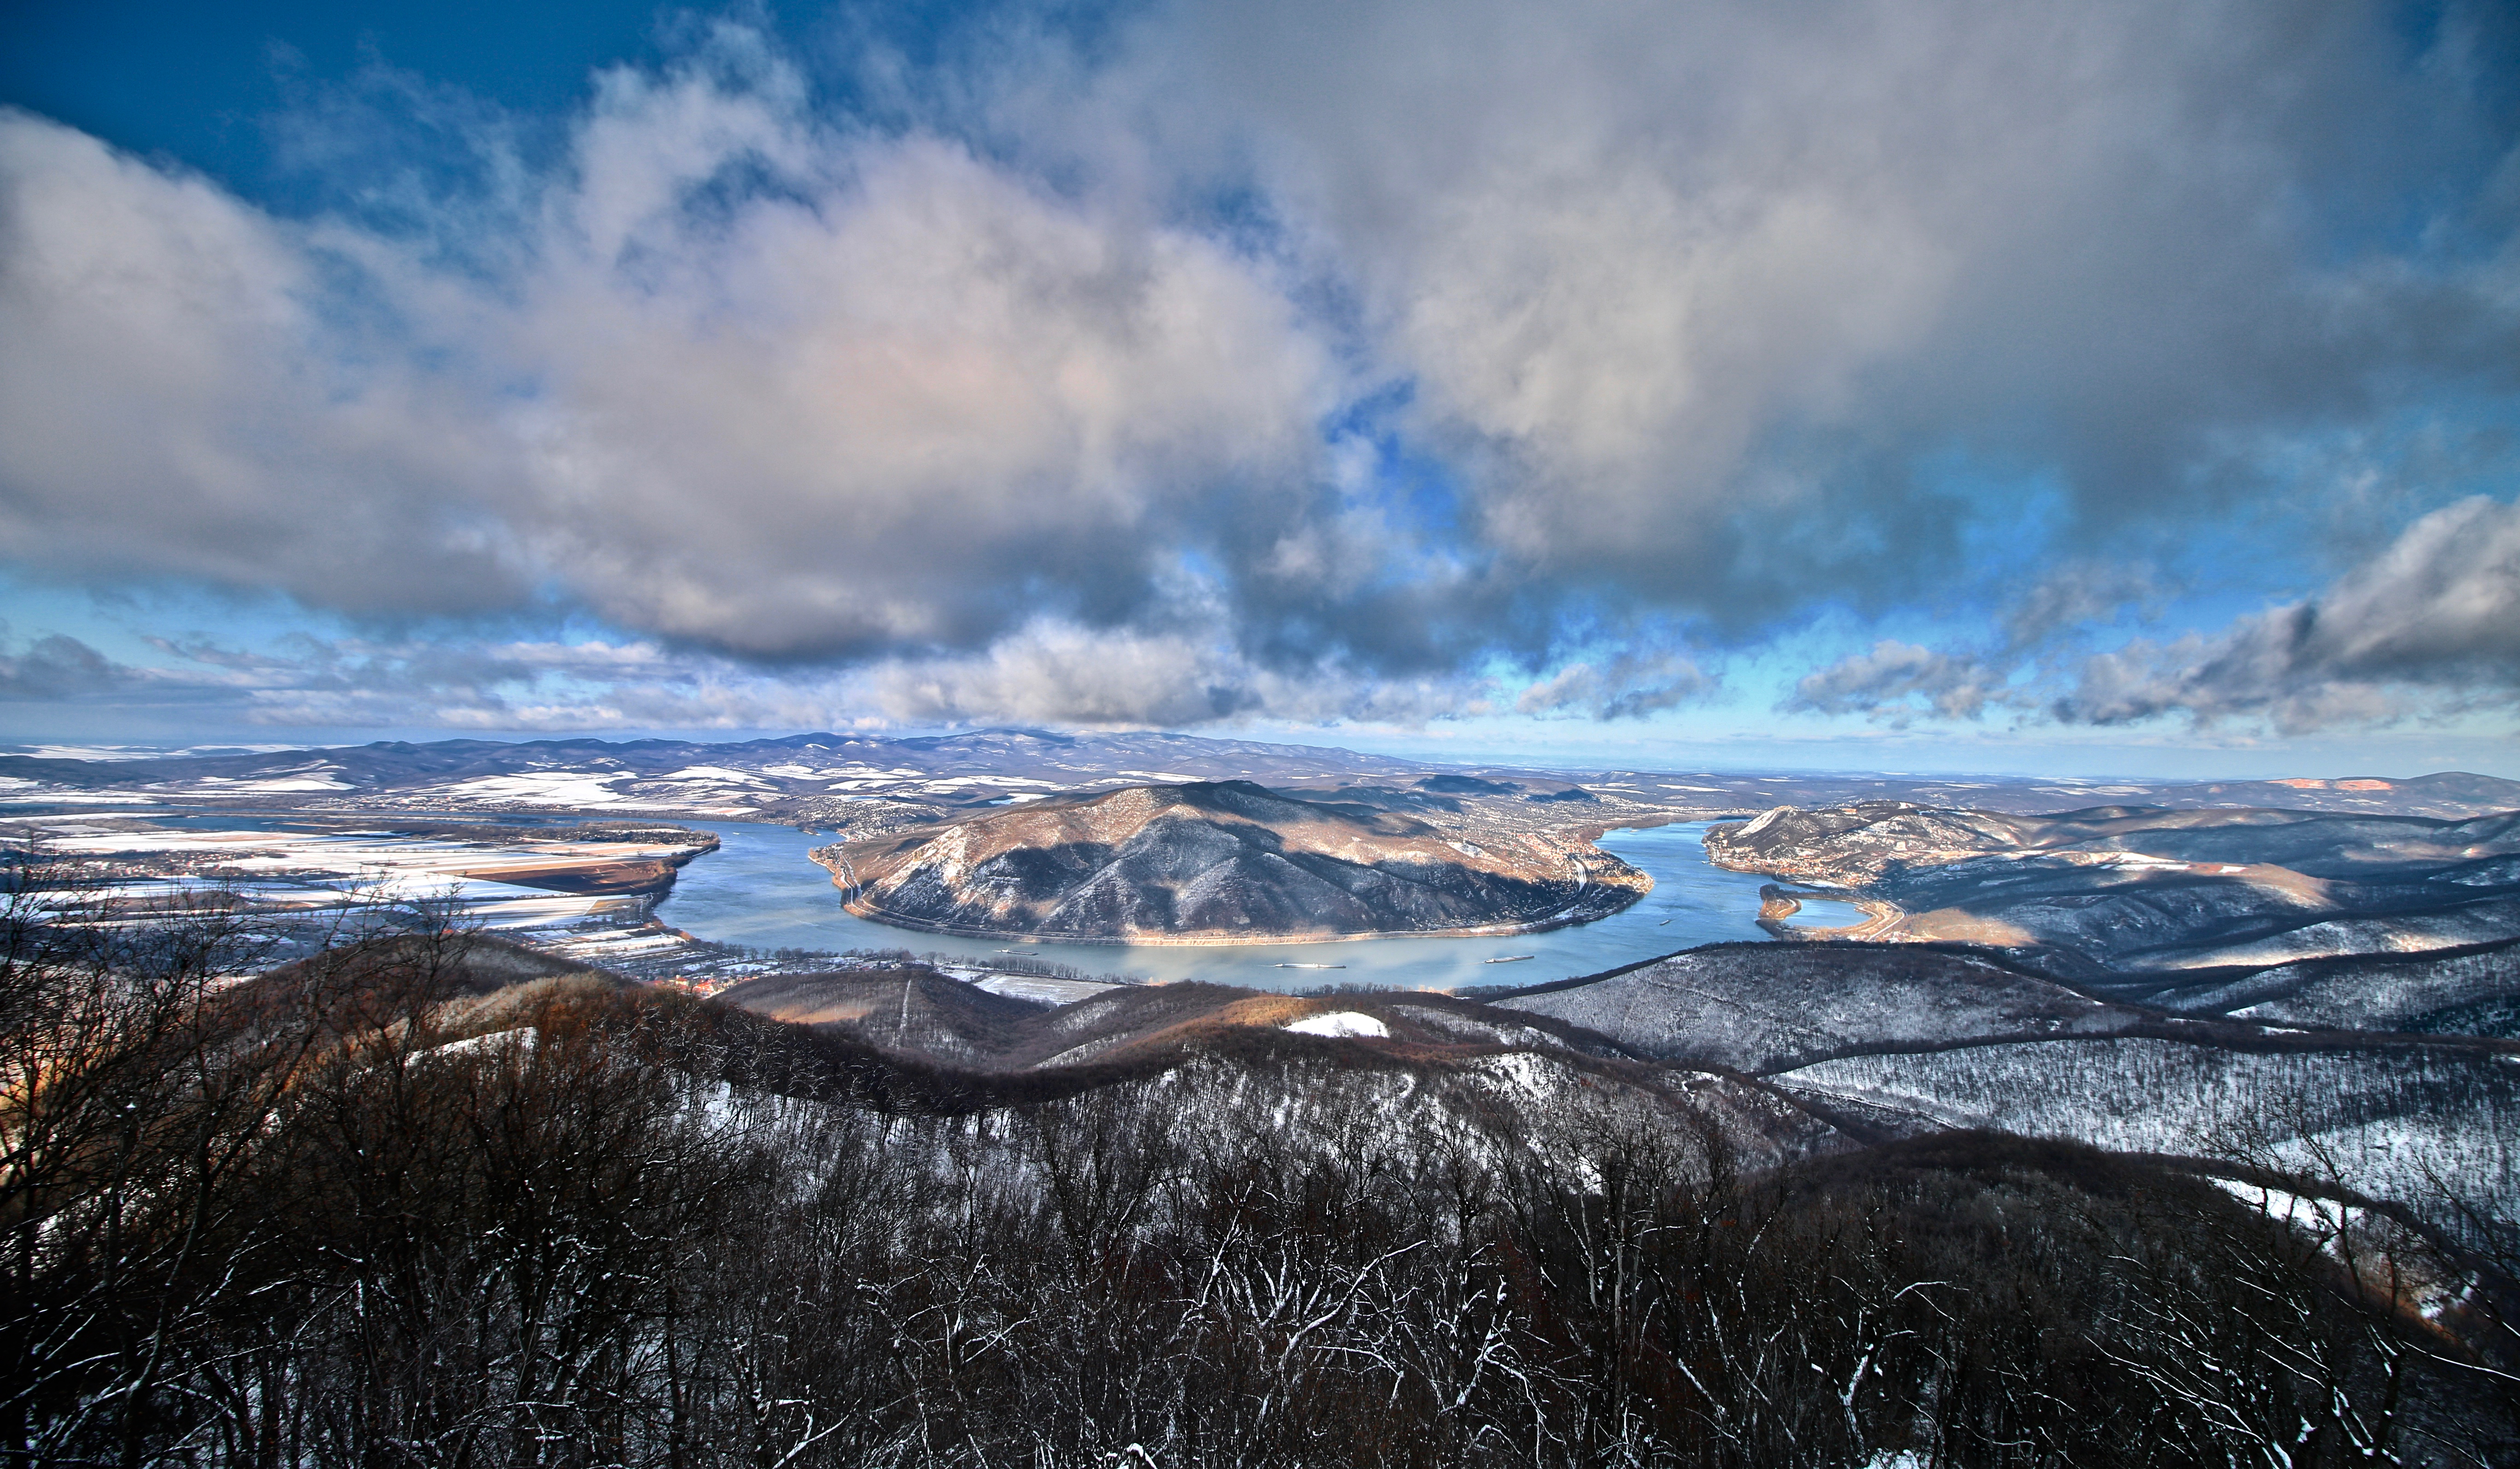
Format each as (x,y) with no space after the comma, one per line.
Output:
(1303,359)
(1687,290)
(767,386)
(1895,680)
(906,398)
(175,398)
(1058,673)
(1627,686)
(2431,621)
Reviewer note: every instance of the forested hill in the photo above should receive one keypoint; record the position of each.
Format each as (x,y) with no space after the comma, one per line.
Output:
(1223,862)
(420,1200)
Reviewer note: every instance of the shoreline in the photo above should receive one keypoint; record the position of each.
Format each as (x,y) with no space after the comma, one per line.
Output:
(1585,851)
(1777,904)
(858,907)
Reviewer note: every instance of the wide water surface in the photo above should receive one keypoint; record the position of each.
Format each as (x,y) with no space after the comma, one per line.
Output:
(759,889)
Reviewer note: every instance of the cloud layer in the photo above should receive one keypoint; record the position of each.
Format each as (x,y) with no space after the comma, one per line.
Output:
(886,396)
(2430,623)
(1317,361)
(2427,626)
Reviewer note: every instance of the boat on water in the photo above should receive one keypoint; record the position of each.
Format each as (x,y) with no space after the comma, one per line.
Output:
(1509,958)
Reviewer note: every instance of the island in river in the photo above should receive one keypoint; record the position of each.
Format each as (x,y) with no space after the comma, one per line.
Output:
(1222,862)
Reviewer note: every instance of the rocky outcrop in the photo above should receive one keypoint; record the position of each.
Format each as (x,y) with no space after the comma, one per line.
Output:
(1221,862)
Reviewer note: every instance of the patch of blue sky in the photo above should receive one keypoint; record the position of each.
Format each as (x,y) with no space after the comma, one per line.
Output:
(147,624)
(2406,203)
(42,608)
(2459,439)
(2014,512)
(1237,212)
(892,63)
(455,179)
(2318,496)
(201,82)
(1419,490)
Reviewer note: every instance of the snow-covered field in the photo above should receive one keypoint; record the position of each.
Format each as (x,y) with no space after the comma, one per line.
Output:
(1340,1023)
(1048,991)
(306,871)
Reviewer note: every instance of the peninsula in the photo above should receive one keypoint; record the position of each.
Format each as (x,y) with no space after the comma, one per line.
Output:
(1222,862)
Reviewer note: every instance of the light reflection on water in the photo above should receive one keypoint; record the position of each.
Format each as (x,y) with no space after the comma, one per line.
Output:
(759,889)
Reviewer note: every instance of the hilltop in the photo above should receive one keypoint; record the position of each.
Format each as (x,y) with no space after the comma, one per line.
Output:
(1226,861)
(2132,888)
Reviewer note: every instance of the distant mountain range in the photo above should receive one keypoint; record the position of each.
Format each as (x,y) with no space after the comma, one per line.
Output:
(860,782)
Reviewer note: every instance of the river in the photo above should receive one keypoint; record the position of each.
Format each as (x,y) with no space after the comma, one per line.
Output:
(759,889)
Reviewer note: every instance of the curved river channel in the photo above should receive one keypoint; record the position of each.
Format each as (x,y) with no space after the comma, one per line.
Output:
(759,889)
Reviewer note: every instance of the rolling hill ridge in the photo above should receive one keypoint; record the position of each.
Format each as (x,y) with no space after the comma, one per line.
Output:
(1224,861)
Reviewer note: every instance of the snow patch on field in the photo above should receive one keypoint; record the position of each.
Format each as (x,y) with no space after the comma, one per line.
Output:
(517,1038)
(297,871)
(712,775)
(1340,1023)
(558,789)
(1048,991)
(283,785)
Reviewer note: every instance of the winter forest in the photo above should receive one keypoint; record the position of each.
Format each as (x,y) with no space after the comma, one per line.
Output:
(384,1207)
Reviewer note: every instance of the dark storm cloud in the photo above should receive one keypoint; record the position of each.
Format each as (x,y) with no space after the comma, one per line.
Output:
(1554,337)
(57,667)
(60,671)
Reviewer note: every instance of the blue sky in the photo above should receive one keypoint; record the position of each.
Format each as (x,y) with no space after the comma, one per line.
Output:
(1931,385)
